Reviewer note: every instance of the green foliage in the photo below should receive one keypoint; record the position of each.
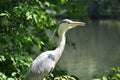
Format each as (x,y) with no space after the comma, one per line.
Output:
(23,26)
(60,74)
(115,74)
(65,77)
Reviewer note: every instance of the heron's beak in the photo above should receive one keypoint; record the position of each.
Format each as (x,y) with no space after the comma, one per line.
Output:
(74,23)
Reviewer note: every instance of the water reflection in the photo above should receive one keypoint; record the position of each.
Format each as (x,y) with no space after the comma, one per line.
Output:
(97,49)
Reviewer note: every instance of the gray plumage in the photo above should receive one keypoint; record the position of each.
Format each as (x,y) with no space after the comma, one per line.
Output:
(38,72)
(45,62)
(51,56)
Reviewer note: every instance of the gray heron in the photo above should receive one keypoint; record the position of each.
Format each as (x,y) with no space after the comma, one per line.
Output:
(46,61)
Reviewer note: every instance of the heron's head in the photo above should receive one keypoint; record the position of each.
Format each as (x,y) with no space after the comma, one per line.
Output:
(68,24)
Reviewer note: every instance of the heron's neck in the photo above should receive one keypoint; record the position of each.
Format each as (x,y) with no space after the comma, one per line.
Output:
(61,46)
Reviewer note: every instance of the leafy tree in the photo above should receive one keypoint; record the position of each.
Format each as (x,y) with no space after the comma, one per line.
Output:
(23,25)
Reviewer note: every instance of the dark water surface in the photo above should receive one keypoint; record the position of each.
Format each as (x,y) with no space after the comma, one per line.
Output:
(97,49)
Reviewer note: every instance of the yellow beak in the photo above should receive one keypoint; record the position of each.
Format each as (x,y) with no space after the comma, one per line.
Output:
(74,23)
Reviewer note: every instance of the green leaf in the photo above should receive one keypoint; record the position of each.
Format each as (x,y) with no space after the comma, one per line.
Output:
(63,1)
(2,58)
(14,73)
(118,75)
(114,69)
(10,79)
(3,76)
(29,16)
(35,18)
(39,45)
(47,3)
(3,14)
(104,78)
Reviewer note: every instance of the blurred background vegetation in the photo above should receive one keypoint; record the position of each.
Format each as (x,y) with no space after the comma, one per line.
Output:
(23,23)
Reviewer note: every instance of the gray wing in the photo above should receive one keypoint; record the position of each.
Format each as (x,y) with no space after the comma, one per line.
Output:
(41,66)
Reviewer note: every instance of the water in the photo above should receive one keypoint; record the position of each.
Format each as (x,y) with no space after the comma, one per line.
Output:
(97,49)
